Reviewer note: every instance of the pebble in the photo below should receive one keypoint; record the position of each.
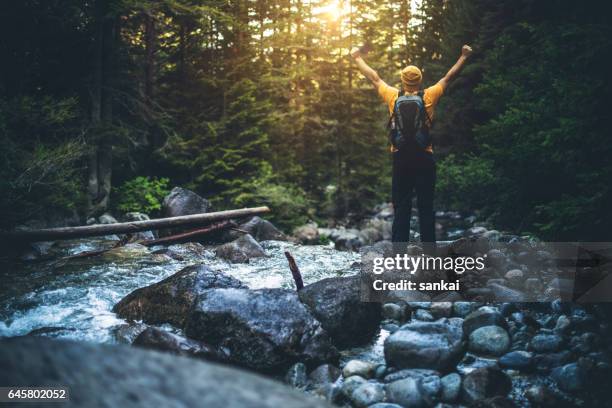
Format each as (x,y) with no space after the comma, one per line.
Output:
(423,315)
(546,343)
(367,394)
(451,386)
(516,360)
(360,368)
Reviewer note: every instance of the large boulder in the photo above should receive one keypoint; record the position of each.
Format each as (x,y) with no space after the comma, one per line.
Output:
(258,228)
(240,250)
(437,345)
(336,303)
(266,329)
(170,300)
(262,230)
(181,201)
(121,376)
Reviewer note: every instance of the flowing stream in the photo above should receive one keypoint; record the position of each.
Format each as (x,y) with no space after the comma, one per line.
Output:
(73,298)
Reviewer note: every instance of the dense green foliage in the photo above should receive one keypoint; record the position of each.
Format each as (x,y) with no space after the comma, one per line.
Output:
(532,144)
(142,194)
(256,102)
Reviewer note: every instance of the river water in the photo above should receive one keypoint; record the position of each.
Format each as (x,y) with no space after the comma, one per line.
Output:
(73,298)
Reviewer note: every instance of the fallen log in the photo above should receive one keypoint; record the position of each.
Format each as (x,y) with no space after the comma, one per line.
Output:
(159,241)
(295,271)
(54,234)
(188,235)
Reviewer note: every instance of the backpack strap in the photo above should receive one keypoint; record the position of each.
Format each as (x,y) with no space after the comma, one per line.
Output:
(392,116)
(428,120)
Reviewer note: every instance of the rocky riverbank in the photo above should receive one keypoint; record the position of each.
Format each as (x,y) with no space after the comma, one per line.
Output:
(234,302)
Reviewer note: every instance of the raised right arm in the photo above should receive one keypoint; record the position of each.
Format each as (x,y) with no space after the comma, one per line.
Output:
(366,70)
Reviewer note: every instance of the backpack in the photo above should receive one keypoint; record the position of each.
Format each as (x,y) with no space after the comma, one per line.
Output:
(409,123)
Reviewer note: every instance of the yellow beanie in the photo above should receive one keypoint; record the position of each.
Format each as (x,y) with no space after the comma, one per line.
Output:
(411,76)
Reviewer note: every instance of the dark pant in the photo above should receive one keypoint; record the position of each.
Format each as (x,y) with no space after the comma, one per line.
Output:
(414,171)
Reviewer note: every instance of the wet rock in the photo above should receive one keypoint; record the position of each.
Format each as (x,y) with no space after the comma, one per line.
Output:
(476,231)
(357,367)
(170,300)
(107,219)
(138,216)
(515,277)
(560,288)
(563,324)
(489,341)
(423,315)
(437,345)
(462,309)
(347,239)
(546,343)
(161,340)
(485,316)
(262,230)
(380,371)
(410,393)
(584,343)
(265,329)
(296,376)
(329,392)
(484,383)
(367,394)
(533,285)
(544,397)
(441,309)
(505,294)
(336,303)
(451,386)
(135,216)
(516,360)
(416,373)
(121,376)
(240,250)
(324,374)
(181,201)
(390,327)
(370,235)
(546,361)
(126,333)
(307,234)
(569,378)
(350,384)
(398,312)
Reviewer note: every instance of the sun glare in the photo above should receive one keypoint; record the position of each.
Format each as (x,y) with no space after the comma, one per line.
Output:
(334,10)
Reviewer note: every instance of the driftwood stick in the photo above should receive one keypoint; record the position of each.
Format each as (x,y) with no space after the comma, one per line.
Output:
(239,230)
(187,235)
(54,234)
(295,271)
(87,254)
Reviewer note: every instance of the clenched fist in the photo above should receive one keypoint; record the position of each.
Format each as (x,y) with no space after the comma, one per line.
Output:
(466,50)
(355,52)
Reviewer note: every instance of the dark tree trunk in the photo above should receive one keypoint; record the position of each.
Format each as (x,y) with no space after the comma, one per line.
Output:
(101,156)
